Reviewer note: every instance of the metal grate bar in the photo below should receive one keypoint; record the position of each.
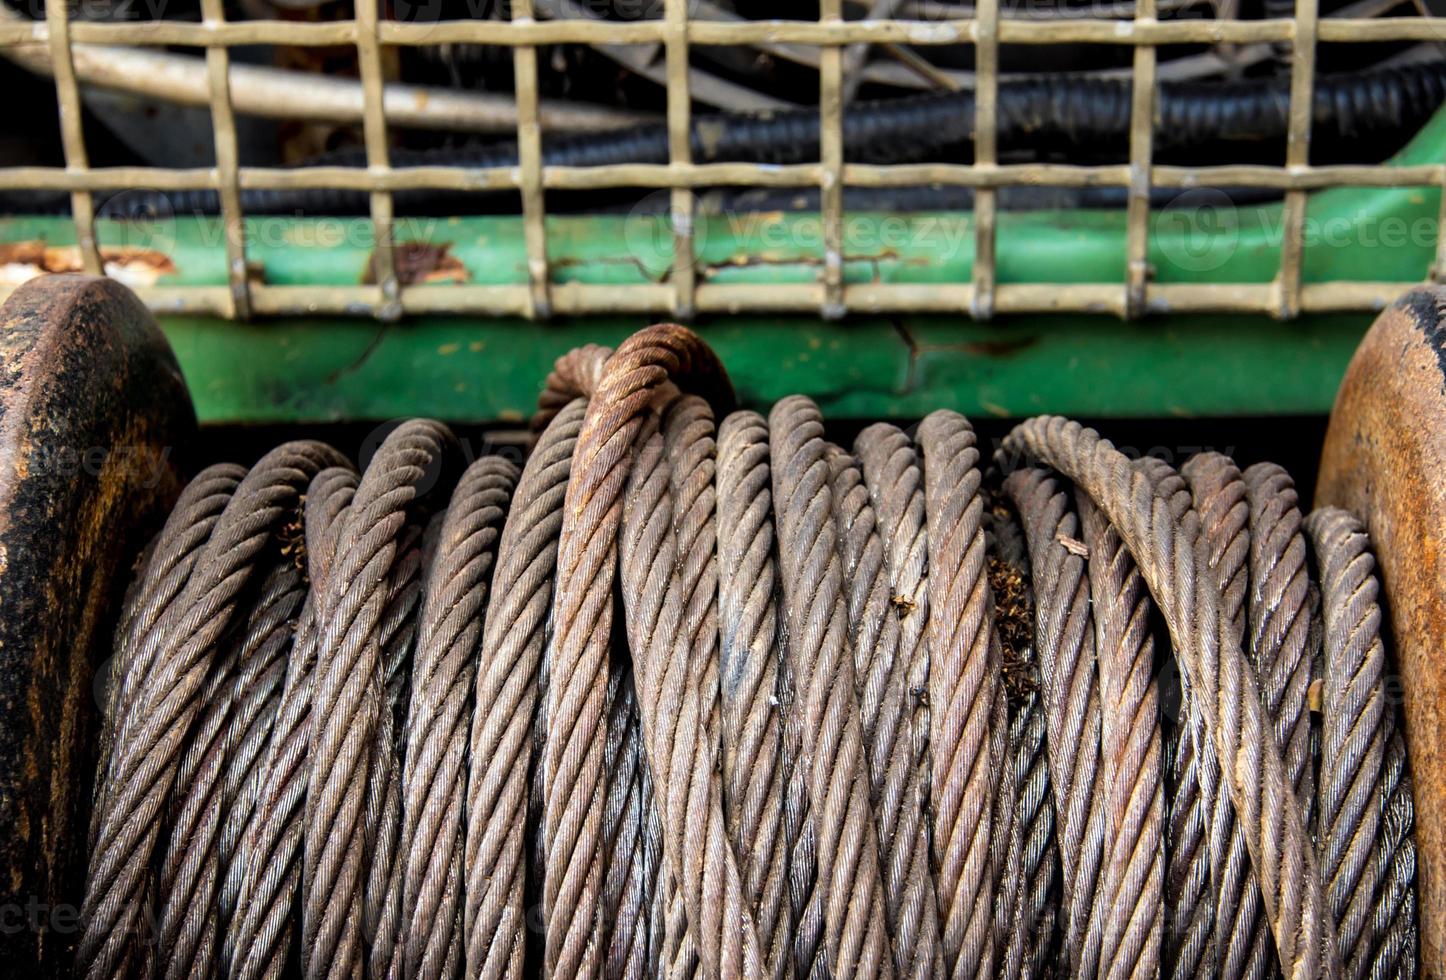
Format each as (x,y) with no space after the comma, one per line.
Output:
(223,126)
(1142,130)
(986,157)
(707,174)
(686,291)
(374,131)
(1438,269)
(72,135)
(576,299)
(529,170)
(831,157)
(680,151)
(1297,154)
(812,33)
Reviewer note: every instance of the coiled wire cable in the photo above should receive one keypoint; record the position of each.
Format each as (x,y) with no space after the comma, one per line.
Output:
(700,692)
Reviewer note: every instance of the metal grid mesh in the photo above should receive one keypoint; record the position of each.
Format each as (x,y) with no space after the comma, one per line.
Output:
(681,295)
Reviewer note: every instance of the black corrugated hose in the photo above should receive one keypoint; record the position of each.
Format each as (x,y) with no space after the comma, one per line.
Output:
(1079,118)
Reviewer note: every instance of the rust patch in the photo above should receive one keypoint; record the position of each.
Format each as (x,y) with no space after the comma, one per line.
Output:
(22,261)
(746,260)
(420,263)
(1383,459)
(902,604)
(86,370)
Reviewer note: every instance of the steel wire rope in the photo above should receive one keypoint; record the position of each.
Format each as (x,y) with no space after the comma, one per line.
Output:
(704,693)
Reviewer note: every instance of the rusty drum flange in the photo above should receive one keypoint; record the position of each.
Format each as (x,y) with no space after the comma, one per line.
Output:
(1385,460)
(92,412)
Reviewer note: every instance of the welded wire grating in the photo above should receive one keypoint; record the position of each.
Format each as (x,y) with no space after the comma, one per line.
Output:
(681,295)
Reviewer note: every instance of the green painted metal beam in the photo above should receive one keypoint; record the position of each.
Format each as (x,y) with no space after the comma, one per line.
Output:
(468,370)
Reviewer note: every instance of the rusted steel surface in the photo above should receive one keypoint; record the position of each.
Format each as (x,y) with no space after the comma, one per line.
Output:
(91,405)
(1385,459)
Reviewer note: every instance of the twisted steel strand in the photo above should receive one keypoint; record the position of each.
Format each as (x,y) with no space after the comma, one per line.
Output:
(259,686)
(1353,740)
(855,940)
(396,634)
(442,679)
(1189,902)
(170,559)
(1280,618)
(347,700)
(178,650)
(1397,948)
(964,692)
(1218,494)
(262,881)
(577,690)
(1171,557)
(396,631)
(191,867)
(805,895)
(654,870)
(1193,798)
(678,954)
(1037,937)
(674,711)
(689,449)
(1030,884)
(503,749)
(895,481)
(1131,891)
(1018,865)
(750,692)
(896,783)
(625,900)
(1069,688)
(1241,942)
(805,899)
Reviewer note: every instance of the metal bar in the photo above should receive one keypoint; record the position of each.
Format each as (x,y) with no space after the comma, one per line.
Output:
(529,170)
(1297,154)
(712,174)
(727,33)
(386,302)
(986,138)
(578,299)
(223,127)
(830,108)
(1438,269)
(72,134)
(1142,130)
(229,34)
(680,150)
